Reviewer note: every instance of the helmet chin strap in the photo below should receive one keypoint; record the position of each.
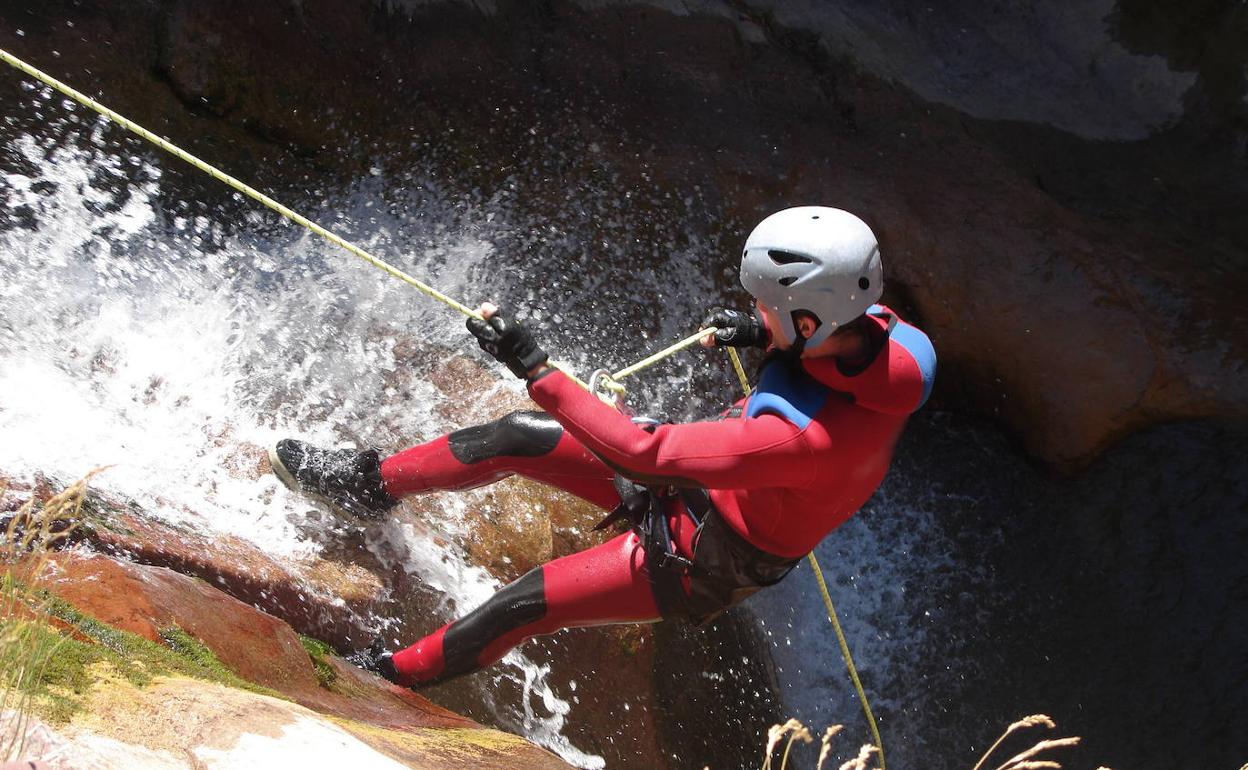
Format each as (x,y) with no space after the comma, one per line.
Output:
(793,356)
(798,346)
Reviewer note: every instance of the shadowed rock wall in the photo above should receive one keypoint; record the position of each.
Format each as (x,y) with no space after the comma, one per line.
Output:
(1076,288)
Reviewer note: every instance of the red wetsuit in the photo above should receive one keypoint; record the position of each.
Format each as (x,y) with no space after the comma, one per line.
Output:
(783,469)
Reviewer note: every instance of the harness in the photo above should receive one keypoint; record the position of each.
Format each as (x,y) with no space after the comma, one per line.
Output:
(725,568)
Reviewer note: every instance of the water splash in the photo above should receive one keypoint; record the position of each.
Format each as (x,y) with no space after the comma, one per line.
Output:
(136,335)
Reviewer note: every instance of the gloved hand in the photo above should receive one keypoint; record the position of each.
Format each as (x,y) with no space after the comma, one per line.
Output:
(376,658)
(736,329)
(509,341)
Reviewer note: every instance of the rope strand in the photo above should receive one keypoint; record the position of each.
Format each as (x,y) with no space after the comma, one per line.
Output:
(849,659)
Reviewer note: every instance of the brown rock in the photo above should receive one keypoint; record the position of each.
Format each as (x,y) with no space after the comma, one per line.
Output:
(509,533)
(308,600)
(519,524)
(256,646)
(146,600)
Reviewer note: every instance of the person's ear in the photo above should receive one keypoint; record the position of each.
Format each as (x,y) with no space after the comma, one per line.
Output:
(806,325)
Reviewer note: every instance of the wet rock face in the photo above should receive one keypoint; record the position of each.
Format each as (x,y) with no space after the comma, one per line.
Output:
(327,599)
(1023,60)
(1076,290)
(1153,574)
(147,600)
(185,724)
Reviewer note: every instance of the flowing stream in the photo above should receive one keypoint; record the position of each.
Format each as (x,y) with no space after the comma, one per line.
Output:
(157,335)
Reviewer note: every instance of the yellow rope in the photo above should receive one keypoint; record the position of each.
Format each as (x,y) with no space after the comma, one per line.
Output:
(664,353)
(238,185)
(849,660)
(740,370)
(299,219)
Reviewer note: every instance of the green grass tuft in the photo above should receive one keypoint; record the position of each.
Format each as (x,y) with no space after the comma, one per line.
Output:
(27,647)
(318,651)
(66,679)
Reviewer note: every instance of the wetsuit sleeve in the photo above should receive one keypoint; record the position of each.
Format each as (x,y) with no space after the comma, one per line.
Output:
(767,451)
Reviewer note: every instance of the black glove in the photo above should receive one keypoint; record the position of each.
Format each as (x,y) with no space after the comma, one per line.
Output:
(375,658)
(508,341)
(736,329)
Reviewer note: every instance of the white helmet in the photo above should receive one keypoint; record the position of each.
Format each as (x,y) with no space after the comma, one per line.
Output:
(813,258)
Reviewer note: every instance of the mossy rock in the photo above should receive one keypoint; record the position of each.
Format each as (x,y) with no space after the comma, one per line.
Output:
(68,662)
(318,651)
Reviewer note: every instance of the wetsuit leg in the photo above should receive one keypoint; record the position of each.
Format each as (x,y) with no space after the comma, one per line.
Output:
(601,585)
(531,444)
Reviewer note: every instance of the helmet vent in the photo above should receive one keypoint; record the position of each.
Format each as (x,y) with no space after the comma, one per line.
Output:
(864,283)
(787,257)
(788,280)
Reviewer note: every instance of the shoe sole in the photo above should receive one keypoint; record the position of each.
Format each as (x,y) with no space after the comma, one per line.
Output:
(282,472)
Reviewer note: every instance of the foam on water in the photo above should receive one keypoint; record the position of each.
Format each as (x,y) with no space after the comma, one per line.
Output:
(153,342)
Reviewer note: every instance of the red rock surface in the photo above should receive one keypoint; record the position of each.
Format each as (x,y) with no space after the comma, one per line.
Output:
(145,600)
(254,645)
(235,566)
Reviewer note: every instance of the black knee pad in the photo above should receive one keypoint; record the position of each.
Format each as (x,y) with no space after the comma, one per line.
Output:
(519,434)
(517,604)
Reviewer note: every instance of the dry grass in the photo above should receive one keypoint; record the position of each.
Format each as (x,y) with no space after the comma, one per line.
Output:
(29,534)
(1030,759)
(795,730)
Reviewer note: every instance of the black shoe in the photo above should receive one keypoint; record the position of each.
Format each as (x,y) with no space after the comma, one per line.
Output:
(346,478)
(376,658)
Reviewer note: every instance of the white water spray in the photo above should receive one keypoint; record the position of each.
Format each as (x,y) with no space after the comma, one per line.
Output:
(158,344)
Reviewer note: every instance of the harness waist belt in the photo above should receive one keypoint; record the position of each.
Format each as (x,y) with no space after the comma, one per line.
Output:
(725,568)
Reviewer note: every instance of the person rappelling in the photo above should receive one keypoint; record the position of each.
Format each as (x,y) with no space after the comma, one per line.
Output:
(719,509)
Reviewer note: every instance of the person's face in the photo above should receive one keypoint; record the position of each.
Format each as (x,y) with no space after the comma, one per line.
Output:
(772,322)
(805,326)
(842,342)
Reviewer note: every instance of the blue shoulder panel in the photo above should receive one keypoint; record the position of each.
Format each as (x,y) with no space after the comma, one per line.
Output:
(792,395)
(920,349)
